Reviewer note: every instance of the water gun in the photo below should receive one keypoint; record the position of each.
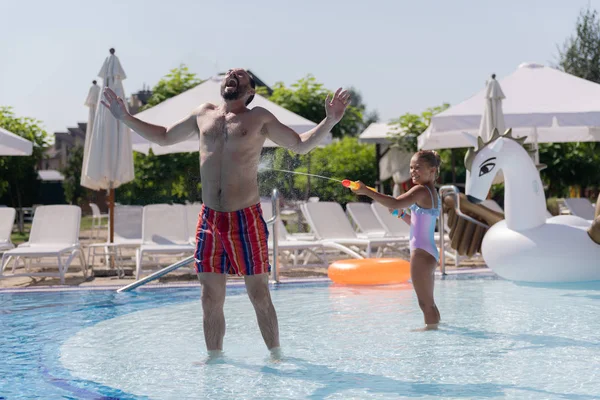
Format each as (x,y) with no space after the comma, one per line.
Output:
(353,185)
(396,213)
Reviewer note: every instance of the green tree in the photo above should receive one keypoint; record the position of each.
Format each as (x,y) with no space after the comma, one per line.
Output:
(570,164)
(279,159)
(405,129)
(356,101)
(580,54)
(19,181)
(169,177)
(74,192)
(344,159)
(177,81)
(307,99)
(575,163)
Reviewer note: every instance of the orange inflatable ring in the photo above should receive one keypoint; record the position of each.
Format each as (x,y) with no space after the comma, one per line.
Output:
(369,271)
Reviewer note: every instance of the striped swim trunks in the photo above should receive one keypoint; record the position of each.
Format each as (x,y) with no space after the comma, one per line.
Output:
(234,243)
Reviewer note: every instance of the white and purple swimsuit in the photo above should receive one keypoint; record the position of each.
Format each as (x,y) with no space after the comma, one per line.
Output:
(422,227)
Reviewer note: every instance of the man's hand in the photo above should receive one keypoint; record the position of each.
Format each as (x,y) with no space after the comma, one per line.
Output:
(335,107)
(115,104)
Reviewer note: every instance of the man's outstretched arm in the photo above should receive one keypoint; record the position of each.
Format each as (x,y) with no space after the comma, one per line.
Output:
(160,135)
(305,142)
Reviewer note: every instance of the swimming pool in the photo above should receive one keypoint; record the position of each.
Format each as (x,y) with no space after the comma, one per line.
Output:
(498,340)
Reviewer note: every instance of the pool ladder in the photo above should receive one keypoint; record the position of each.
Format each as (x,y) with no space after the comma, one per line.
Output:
(274,267)
(451,190)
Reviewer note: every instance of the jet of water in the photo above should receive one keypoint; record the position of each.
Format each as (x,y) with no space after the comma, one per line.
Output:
(303,173)
(265,163)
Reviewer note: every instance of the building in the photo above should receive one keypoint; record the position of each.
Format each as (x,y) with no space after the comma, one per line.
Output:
(139,99)
(58,154)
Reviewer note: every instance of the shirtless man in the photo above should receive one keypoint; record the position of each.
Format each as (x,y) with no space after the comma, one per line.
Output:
(232,234)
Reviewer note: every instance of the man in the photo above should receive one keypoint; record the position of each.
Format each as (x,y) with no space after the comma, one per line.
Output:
(232,234)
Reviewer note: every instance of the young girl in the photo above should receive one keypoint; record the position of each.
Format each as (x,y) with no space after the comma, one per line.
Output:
(424,203)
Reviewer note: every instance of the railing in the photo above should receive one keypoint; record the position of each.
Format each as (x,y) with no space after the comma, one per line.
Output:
(275,222)
(451,190)
(274,268)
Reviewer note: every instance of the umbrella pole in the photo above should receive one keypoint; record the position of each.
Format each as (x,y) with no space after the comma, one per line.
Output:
(111,221)
(453,162)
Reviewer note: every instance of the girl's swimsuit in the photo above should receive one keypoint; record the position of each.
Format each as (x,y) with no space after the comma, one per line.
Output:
(422,227)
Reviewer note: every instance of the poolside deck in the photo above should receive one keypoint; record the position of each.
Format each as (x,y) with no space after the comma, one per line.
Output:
(105,277)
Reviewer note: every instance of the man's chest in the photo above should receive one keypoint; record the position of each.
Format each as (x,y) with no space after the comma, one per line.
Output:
(221,128)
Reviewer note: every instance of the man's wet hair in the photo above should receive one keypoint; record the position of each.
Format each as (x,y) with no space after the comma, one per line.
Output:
(253,86)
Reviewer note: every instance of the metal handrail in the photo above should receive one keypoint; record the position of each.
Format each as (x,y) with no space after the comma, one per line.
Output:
(451,190)
(275,221)
(274,269)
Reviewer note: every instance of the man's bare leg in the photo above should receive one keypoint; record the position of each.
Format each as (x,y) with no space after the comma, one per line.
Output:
(213,299)
(257,287)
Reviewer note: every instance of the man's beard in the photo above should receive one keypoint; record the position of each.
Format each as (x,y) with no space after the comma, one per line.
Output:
(230,95)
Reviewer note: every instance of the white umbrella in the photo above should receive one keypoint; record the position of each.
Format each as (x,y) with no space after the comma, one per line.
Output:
(492,118)
(91,102)
(110,160)
(14,145)
(392,161)
(492,113)
(174,109)
(542,103)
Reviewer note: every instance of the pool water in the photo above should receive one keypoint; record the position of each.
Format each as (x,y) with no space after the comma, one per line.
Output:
(498,340)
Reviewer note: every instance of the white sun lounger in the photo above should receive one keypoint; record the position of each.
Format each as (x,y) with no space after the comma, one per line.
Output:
(365,219)
(303,245)
(7,220)
(97,218)
(54,233)
(127,233)
(393,225)
(330,224)
(284,234)
(164,231)
(580,207)
(192,214)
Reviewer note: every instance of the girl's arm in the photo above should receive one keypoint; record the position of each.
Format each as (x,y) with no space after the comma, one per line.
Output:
(403,201)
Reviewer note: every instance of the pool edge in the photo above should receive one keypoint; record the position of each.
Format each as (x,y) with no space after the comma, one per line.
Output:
(467,273)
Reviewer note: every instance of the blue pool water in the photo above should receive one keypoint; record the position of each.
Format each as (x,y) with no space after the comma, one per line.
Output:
(498,340)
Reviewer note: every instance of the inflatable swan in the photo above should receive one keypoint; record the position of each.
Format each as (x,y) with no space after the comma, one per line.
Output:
(526,246)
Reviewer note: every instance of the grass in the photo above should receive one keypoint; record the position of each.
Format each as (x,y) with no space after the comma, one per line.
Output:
(18,238)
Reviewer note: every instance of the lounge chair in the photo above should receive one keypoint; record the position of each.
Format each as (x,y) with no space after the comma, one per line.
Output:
(393,226)
(164,231)
(301,246)
(192,214)
(127,234)
(581,207)
(331,225)
(365,219)
(7,220)
(97,220)
(54,233)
